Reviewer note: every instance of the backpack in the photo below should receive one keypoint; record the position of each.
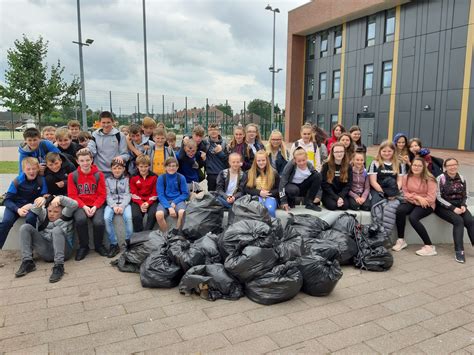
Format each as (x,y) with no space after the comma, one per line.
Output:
(179,181)
(16,183)
(315,145)
(117,136)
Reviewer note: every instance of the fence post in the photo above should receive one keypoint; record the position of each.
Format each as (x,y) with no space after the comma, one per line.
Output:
(163,106)
(110,101)
(138,106)
(245,113)
(207,113)
(186,114)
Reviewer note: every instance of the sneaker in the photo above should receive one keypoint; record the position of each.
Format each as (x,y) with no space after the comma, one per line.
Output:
(101,250)
(400,244)
(113,250)
(427,250)
(459,257)
(312,206)
(57,274)
(26,267)
(81,253)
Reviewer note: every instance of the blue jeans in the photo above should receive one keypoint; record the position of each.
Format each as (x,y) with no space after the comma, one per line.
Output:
(9,219)
(224,202)
(109,215)
(270,204)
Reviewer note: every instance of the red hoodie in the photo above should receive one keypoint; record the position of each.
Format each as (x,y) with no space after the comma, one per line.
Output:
(143,189)
(331,140)
(87,192)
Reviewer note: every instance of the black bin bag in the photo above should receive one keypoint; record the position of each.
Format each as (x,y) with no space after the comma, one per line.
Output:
(290,246)
(280,284)
(372,255)
(203,216)
(325,248)
(346,246)
(346,223)
(208,246)
(183,253)
(158,271)
(320,275)
(249,208)
(211,282)
(308,226)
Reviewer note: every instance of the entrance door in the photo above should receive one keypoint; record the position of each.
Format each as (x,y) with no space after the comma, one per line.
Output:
(366,122)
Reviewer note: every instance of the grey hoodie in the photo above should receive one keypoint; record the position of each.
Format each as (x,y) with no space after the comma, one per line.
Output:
(132,168)
(105,147)
(118,192)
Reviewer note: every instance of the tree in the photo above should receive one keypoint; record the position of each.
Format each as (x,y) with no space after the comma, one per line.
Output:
(28,88)
(261,108)
(227,109)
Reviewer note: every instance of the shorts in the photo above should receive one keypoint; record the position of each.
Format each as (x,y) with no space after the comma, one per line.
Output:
(179,206)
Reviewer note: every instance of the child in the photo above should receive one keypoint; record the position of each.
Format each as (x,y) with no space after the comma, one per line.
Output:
(84,138)
(356,136)
(56,173)
(315,153)
(231,182)
(35,147)
(138,144)
(337,130)
(197,135)
(277,152)
(160,153)
(24,190)
(53,239)
(419,189)
(299,178)
(401,148)
(143,190)
(238,145)
(65,144)
(216,155)
(118,203)
(252,138)
(124,129)
(190,163)
(74,128)
(263,182)
(48,133)
(336,179)
(108,144)
(416,150)
(86,185)
(360,188)
(171,140)
(172,194)
(346,140)
(148,126)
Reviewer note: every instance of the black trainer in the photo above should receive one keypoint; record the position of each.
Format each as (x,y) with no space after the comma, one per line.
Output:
(459,257)
(57,274)
(101,250)
(113,250)
(81,253)
(26,267)
(312,206)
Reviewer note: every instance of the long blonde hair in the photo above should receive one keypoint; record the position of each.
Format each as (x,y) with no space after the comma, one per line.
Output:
(282,148)
(268,172)
(394,161)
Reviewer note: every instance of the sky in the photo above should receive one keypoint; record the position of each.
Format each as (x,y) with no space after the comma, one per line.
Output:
(216,49)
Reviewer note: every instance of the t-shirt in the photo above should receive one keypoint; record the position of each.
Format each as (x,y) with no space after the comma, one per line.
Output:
(384,171)
(232,184)
(159,162)
(300,175)
(261,183)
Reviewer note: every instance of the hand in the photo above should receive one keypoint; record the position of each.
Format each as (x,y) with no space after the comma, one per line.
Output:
(185,140)
(463,209)
(340,202)
(87,210)
(56,201)
(217,149)
(40,201)
(423,201)
(362,200)
(230,199)
(285,207)
(458,210)
(93,210)
(203,156)
(172,212)
(60,184)
(316,200)
(42,168)
(146,147)
(358,200)
(22,212)
(264,193)
(118,210)
(144,207)
(118,159)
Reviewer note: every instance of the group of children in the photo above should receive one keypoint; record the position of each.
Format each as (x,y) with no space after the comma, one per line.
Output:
(140,174)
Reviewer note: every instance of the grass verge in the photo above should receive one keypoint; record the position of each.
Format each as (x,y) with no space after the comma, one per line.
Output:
(8,167)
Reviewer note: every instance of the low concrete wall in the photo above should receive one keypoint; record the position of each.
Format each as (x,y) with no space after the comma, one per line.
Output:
(10,142)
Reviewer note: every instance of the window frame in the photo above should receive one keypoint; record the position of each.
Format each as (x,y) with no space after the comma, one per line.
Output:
(370,41)
(333,123)
(335,94)
(324,38)
(389,16)
(310,55)
(321,94)
(366,91)
(321,117)
(338,34)
(309,84)
(386,89)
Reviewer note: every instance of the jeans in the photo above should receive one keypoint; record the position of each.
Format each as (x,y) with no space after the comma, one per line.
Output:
(9,219)
(414,213)
(224,202)
(459,221)
(270,204)
(109,215)
(82,226)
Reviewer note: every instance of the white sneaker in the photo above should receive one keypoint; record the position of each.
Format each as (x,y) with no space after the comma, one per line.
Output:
(400,244)
(427,250)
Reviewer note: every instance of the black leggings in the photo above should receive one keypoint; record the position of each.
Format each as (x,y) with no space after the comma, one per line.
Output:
(459,221)
(137,217)
(308,188)
(414,213)
(353,205)
(331,203)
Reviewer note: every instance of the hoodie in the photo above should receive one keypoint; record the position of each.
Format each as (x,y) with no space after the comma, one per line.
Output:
(52,178)
(331,140)
(70,152)
(132,168)
(215,162)
(405,151)
(44,148)
(118,191)
(105,147)
(89,191)
(143,189)
(190,167)
(24,192)
(171,193)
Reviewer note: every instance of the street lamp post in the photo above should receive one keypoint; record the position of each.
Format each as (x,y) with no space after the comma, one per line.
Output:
(272,68)
(146,59)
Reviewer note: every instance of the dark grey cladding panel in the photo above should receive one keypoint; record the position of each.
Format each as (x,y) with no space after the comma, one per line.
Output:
(470,122)
(334,106)
(461,12)
(351,59)
(381,126)
(430,71)
(404,102)
(456,68)
(384,103)
(408,20)
(369,54)
(387,51)
(453,99)
(407,46)
(432,42)
(426,130)
(348,105)
(458,37)
(434,15)
(402,122)
(451,129)
(309,67)
(350,82)
(406,74)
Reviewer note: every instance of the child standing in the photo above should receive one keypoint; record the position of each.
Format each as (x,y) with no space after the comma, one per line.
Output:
(83,139)
(416,150)
(48,133)
(360,189)
(238,145)
(74,128)
(231,182)
(216,155)
(277,152)
(35,147)
(172,194)
(118,203)
(138,144)
(315,153)
(56,173)
(348,144)
(190,163)
(160,153)
(65,144)
(337,130)
(356,136)
(148,126)
(171,140)
(400,141)
(252,138)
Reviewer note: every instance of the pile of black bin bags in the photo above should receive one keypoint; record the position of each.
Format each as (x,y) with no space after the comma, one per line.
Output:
(255,255)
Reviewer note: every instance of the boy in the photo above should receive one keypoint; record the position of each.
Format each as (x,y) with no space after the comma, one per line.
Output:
(86,185)
(216,155)
(66,145)
(160,153)
(53,240)
(56,173)
(148,126)
(108,144)
(84,138)
(171,140)
(23,191)
(118,203)
(143,190)
(48,133)
(197,135)
(231,182)
(172,194)
(190,163)
(74,128)
(35,147)
(138,144)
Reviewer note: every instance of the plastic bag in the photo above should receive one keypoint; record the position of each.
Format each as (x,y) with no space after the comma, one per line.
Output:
(159,271)
(203,216)
(326,248)
(211,282)
(250,262)
(346,223)
(290,246)
(250,232)
(277,228)
(280,284)
(184,254)
(307,225)
(372,255)
(346,246)
(208,246)
(320,275)
(249,208)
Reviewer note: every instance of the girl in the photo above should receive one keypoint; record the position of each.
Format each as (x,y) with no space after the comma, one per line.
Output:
(401,148)
(263,182)
(230,184)
(320,137)
(415,150)
(360,189)
(346,140)
(419,188)
(252,137)
(337,130)
(315,155)
(238,145)
(385,173)
(336,179)
(356,136)
(451,205)
(277,152)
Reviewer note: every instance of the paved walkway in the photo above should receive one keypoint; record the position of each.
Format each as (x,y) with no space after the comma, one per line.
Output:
(422,305)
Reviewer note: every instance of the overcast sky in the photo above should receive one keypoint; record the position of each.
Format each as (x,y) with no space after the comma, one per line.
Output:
(220,49)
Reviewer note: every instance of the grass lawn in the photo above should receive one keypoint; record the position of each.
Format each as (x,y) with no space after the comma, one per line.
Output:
(8,167)
(7,135)
(368,160)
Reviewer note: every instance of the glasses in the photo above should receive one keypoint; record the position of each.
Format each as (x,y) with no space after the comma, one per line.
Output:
(451,165)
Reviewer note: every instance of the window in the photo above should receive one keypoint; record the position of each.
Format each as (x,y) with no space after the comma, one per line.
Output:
(311,47)
(336,83)
(324,45)
(338,41)
(321,122)
(387,77)
(309,87)
(322,85)
(368,79)
(370,40)
(334,119)
(389,25)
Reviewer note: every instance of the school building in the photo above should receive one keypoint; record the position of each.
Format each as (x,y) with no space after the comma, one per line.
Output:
(387,65)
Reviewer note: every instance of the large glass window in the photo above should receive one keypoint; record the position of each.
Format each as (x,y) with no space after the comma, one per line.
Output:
(336,83)
(370,37)
(389,25)
(310,47)
(387,77)
(309,87)
(334,119)
(321,122)
(322,85)
(338,41)
(368,79)
(324,45)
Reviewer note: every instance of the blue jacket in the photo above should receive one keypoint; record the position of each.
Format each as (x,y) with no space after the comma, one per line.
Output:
(24,191)
(171,193)
(215,162)
(189,167)
(44,148)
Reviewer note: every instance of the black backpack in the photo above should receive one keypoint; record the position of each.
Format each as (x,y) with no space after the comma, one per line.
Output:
(437,166)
